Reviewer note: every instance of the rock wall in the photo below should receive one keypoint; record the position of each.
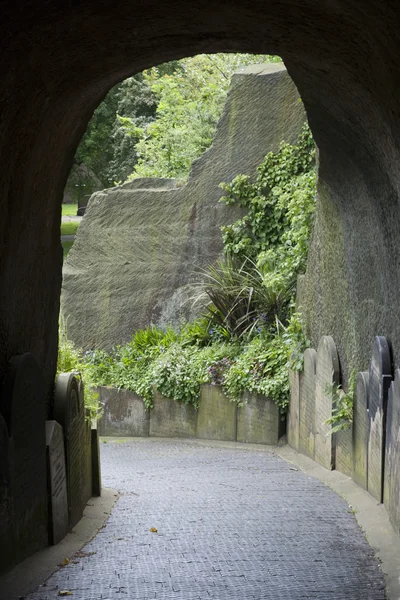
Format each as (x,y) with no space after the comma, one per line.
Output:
(140,244)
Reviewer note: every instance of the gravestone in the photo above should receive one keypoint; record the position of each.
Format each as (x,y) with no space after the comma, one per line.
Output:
(57,482)
(258,420)
(307,403)
(360,430)
(7,557)
(96,469)
(22,405)
(327,376)
(169,418)
(124,413)
(392,454)
(344,448)
(293,428)
(69,412)
(380,378)
(216,418)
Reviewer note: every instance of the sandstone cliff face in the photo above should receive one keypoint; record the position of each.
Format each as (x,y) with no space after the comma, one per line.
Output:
(140,244)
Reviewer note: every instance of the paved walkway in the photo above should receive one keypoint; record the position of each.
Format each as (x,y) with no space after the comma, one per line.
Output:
(232,522)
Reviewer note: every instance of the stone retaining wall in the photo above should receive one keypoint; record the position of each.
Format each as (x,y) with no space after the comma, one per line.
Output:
(257,421)
(369,450)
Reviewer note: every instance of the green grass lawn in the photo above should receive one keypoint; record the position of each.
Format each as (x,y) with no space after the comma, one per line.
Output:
(66,248)
(69,228)
(69,210)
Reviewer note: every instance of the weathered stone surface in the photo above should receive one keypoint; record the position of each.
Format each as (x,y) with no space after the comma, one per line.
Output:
(360,430)
(22,406)
(59,521)
(140,244)
(307,403)
(216,418)
(344,449)
(327,376)
(169,418)
(380,378)
(70,413)
(96,468)
(258,421)
(124,413)
(392,454)
(293,422)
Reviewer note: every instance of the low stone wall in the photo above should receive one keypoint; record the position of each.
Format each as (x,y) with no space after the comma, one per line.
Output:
(257,421)
(369,451)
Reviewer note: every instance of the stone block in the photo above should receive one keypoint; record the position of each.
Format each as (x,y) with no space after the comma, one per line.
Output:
(293,423)
(258,420)
(307,403)
(392,454)
(125,414)
(216,419)
(22,404)
(57,482)
(360,430)
(169,418)
(96,468)
(70,413)
(327,376)
(380,378)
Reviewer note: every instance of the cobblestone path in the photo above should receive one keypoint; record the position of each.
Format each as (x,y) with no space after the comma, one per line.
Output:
(232,522)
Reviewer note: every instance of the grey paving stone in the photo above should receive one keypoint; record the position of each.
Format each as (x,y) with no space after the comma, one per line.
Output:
(233,523)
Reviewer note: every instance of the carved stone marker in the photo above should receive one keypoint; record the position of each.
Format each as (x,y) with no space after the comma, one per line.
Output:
(307,403)
(392,454)
(380,378)
(57,482)
(96,469)
(22,405)
(293,428)
(327,376)
(360,430)
(69,412)
(258,420)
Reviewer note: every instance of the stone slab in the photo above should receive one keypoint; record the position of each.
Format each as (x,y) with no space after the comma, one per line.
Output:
(293,424)
(360,430)
(57,483)
(169,418)
(96,468)
(22,404)
(380,378)
(217,415)
(124,413)
(69,412)
(327,376)
(392,454)
(258,420)
(307,403)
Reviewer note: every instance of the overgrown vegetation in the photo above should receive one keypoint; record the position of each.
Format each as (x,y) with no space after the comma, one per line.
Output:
(249,333)
(342,405)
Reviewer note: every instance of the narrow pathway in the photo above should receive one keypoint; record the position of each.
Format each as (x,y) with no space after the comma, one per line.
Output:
(232,522)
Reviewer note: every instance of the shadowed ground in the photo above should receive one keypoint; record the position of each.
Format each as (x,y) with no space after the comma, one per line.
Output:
(232,521)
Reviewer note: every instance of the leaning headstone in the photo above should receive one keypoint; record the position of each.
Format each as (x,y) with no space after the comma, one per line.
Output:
(69,412)
(307,403)
(57,482)
(293,428)
(22,405)
(392,454)
(380,378)
(360,430)
(344,448)
(327,377)
(258,420)
(217,415)
(7,557)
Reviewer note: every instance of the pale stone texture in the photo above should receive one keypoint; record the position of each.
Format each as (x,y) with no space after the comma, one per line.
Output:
(258,420)
(216,419)
(169,418)
(307,404)
(140,244)
(327,376)
(293,420)
(392,454)
(124,413)
(380,377)
(360,430)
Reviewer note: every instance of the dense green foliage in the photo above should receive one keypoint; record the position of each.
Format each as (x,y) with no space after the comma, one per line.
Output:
(342,405)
